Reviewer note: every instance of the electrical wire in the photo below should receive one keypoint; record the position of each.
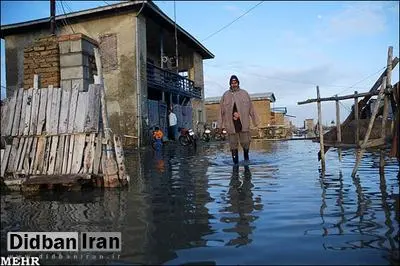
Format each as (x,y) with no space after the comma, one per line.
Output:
(65,13)
(236,19)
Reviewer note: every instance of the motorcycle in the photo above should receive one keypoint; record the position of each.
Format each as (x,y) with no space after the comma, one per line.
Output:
(206,134)
(187,137)
(220,134)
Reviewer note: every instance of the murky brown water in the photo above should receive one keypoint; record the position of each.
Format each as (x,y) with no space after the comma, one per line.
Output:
(187,206)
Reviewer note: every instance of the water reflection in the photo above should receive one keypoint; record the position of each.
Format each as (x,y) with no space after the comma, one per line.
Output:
(240,202)
(187,206)
(339,219)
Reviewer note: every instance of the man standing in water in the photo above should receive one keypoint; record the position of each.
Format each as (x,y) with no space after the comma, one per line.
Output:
(236,109)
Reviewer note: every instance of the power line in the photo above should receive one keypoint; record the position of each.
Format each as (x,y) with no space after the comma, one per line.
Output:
(352,86)
(226,26)
(65,13)
(292,81)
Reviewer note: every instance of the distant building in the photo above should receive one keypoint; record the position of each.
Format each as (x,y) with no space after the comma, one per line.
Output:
(309,124)
(262,105)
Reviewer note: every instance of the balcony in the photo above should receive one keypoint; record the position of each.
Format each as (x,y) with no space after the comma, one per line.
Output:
(167,81)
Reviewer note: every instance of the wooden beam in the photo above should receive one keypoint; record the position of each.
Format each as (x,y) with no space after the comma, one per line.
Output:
(338,98)
(356,118)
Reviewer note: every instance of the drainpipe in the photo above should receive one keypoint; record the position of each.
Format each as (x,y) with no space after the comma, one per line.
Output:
(138,86)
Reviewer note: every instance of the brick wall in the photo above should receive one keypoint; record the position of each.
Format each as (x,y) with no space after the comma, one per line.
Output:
(42,58)
(261,107)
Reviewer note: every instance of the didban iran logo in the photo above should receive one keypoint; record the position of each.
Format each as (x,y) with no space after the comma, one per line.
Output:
(64,241)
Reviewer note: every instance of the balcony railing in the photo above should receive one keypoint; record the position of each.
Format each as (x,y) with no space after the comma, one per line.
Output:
(165,80)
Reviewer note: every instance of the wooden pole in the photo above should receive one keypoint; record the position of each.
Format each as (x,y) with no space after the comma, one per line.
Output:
(110,168)
(386,106)
(321,133)
(374,113)
(356,119)
(338,129)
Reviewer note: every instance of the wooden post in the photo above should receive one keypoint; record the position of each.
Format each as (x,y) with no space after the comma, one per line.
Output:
(338,129)
(356,119)
(110,168)
(321,133)
(386,106)
(162,47)
(36,81)
(374,113)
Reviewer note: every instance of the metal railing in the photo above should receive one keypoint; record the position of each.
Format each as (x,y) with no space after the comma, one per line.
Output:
(165,80)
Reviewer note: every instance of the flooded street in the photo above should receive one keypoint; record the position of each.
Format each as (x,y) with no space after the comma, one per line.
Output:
(191,206)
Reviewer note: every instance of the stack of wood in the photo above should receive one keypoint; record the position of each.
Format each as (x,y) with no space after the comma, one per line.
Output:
(56,136)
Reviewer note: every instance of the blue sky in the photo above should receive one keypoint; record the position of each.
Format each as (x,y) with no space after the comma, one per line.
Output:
(282,47)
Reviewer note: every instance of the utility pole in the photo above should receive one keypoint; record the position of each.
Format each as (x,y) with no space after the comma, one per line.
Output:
(52,16)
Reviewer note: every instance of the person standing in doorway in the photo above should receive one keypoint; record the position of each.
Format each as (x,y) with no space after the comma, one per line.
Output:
(236,109)
(173,125)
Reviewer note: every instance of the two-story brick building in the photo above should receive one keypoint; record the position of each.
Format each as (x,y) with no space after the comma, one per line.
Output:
(137,44)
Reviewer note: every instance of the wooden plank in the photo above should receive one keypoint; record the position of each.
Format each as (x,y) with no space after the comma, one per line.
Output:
(35,111)
(4,161)
(70,154)
(65,155)
(28,110)
(11,159)
(36,81)
(32,154)
(50,92)
(89,154)
(39,157)
(59,157)
(18,155)
(92,115)
(54,179)
(11,114)
(55,110)
(120,157)
(17,115)
(22,156)
(4,116)
(97,156)
(21,125)
(26,153)
(72,108)
(42,111)
(77,159)
(80,115)
(65,102)
(53,155)
(46,156)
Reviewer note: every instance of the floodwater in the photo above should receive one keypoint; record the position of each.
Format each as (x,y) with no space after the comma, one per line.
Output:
(188,206)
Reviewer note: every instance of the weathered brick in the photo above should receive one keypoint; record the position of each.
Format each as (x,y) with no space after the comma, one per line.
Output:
(39,48)
(55,64)
(45,65)
(67,60)
(76,46)
(28,49)
(52,46)
(44,53)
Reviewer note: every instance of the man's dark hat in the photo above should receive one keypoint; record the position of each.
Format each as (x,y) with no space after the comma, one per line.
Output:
(234,77)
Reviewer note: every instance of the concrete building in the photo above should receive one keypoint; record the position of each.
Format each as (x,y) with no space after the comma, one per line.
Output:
(137,44)
(262,104)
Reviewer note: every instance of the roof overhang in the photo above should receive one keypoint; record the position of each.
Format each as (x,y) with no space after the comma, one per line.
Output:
(147,7)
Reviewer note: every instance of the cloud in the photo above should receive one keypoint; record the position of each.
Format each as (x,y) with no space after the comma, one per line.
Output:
(234,10)
(290,84)
(354,20)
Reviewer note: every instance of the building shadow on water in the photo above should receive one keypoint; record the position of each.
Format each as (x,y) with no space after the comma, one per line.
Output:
(361,227)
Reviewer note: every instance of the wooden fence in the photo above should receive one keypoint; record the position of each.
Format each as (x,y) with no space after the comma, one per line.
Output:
(53,133)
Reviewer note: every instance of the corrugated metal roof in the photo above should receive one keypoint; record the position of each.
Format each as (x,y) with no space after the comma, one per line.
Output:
(253,96)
